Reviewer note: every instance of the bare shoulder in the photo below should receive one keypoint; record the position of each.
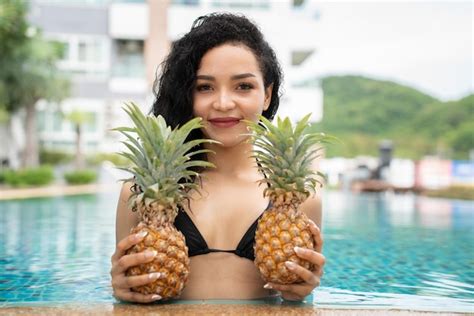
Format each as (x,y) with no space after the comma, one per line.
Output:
(313,205)
(126,219)
(126,191)
(313,208)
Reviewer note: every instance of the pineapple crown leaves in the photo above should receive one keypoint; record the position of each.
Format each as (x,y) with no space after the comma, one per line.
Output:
(161,157)
(285,153)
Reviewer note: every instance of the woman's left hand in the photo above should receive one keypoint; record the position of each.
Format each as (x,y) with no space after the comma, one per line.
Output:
(297,292)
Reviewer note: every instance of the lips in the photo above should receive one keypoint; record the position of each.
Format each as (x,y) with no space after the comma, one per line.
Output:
(224,119)
(224,122)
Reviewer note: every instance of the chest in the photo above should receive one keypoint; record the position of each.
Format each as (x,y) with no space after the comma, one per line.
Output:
(225,210)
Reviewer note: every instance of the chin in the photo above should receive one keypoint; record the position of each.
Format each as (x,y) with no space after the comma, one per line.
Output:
(228,142)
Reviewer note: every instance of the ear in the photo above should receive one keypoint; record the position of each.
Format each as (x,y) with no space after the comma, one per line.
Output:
(268,96)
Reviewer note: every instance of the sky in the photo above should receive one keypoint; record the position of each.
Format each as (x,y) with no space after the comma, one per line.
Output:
(427,45)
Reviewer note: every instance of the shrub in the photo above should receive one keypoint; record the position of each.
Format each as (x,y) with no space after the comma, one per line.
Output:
(80,177)
(463,192)
(54,157)
(2,176)
(29,177)
(116,159)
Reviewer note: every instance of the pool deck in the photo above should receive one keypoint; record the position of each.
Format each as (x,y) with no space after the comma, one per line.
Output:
(57,190)
(208,309)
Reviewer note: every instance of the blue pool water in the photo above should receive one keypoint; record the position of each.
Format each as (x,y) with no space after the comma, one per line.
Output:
(382,250)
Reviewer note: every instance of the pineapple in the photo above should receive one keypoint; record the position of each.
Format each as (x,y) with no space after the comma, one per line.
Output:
(160,159)
(285,155)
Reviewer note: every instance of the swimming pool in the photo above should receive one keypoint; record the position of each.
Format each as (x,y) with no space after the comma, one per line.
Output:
(382,250)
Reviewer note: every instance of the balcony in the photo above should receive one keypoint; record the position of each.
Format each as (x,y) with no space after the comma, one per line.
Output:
(129,20)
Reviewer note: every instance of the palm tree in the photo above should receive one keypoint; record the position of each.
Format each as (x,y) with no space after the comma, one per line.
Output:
(78,119)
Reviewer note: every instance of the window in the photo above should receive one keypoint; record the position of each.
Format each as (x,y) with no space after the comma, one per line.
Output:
(186,2)
(89,51)
(129,59)
(87,55)
(298,57)
(57,121)
(41,121)
(128,1)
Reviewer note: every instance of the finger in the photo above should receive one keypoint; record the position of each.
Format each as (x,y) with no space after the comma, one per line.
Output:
(295,289)
(133,281)
(132,260)
(136,297)
(127,243)
(319,272)
(288,296)
(307,276)
(317,235)
(312,256)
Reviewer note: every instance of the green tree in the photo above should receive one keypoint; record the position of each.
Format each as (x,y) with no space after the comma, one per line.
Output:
(461,140)
(362,111)
(29,72)
(78,119)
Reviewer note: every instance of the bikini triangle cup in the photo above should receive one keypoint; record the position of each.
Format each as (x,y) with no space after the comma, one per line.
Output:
(197,245)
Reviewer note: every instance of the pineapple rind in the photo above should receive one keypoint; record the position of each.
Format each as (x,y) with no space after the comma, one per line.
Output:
(161,159)
(285,154)
(172,261)
(278,232)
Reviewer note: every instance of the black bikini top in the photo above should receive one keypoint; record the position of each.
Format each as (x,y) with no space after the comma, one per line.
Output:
(197,245)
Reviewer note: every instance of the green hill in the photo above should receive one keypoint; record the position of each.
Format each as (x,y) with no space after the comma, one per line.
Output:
(362,112)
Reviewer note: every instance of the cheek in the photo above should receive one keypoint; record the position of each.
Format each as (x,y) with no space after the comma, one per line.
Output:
(202,104)
(254,107)
(198,107)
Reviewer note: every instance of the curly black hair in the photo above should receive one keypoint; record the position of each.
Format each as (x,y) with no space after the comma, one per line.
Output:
(174,85)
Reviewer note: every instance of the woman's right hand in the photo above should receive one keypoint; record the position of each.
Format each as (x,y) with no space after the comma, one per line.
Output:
(121,283)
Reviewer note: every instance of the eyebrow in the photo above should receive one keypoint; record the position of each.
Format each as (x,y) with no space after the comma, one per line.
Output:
(235,77)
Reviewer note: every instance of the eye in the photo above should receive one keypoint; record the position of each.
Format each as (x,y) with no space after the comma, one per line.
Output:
(203,87)
(245,86)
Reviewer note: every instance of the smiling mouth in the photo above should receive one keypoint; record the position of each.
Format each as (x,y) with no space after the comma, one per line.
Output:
(224,122)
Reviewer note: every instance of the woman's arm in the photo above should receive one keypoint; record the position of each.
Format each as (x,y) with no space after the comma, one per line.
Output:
(313,209)
(126,219)
(313,205)
(122,284)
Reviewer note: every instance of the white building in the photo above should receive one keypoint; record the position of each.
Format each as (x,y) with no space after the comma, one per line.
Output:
(112,50)
(292,32)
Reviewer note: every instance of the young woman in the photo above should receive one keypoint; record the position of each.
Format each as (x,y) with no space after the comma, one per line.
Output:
(224,72)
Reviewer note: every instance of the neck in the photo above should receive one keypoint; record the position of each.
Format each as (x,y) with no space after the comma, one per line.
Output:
(231,161)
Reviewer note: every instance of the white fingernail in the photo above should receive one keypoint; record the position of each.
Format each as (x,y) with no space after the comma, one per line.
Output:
(156,297)
(298,250)
(154,275)
(290,264)
(151,254)
(267,286)
(142,234)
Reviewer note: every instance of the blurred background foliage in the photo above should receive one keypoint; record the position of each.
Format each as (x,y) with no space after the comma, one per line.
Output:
(28,72)
(363,111)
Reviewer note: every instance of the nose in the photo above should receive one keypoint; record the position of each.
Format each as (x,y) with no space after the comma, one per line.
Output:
(224,101)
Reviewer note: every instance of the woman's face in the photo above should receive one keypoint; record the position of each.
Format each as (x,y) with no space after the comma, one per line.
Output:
(229,88)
